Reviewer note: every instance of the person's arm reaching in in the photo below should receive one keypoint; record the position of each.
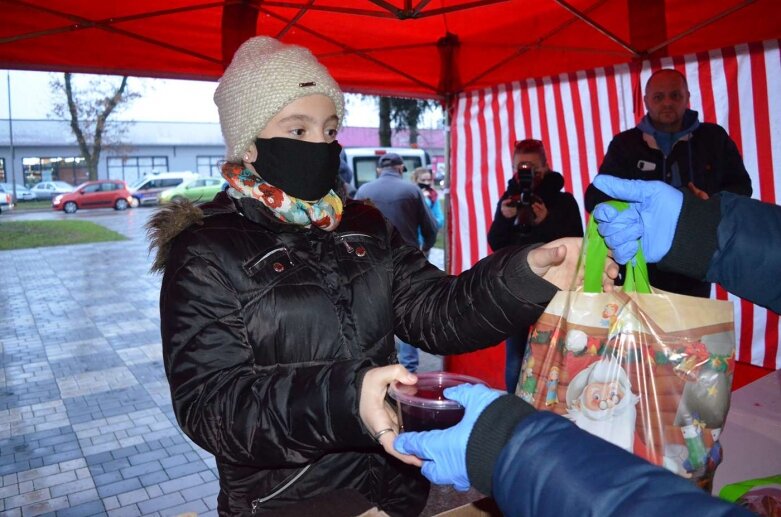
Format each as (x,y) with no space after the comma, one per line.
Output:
(729,239)
(538,463)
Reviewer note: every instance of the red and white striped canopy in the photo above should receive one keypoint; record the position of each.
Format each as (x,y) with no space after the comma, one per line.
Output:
(576,114)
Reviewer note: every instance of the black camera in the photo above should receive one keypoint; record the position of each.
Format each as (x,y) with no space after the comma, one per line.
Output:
(524,177)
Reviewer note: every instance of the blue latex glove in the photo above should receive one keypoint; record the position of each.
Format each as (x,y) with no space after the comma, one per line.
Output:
(443,451)
(652,217)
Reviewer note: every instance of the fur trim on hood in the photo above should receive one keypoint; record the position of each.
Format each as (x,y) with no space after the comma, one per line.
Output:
(168,222)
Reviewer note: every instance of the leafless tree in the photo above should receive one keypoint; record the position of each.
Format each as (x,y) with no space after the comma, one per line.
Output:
(88,109)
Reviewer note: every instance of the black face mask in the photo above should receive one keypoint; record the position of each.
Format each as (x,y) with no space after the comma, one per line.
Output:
(424,186)
(300,169)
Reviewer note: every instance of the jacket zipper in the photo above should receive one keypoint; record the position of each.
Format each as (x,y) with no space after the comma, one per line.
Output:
(260,500)
(347,246)
(267,255)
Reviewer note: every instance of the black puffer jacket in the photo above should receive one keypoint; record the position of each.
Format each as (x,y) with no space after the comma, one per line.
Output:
(267,329)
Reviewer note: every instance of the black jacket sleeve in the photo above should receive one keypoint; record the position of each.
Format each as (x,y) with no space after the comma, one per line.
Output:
(446,314)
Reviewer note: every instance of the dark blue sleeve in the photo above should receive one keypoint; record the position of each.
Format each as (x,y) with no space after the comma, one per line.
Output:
(551,467)
(747,260)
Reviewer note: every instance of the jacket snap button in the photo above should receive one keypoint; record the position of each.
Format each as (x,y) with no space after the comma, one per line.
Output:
(360,251)
(278,267)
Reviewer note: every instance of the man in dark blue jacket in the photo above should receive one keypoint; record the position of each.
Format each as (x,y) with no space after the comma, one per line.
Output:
(671,145)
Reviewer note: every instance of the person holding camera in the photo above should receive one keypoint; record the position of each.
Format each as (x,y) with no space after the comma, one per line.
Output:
(533,209)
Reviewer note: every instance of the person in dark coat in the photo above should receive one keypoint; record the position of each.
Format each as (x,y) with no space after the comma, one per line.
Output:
(671,145)
(280,299)
(532,209)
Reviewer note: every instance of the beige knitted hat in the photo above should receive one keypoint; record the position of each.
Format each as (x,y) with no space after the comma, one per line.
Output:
(264,76)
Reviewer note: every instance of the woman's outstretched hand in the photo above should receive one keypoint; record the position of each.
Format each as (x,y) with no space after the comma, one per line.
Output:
(557,262)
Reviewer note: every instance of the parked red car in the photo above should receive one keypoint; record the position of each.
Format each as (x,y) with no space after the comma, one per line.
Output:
(94,194)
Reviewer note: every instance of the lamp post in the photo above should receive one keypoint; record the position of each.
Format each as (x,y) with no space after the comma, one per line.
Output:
(11,136)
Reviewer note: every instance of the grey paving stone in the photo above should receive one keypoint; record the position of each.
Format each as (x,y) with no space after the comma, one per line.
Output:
(173,461)
(125,511)
(126,485)
(83,510)
(154,478)
(28,394)
(187,468)
(101,458)
(85,363)
(10,468)
(161,503)
(107,478)
(78,491)
(196,507)
(43,507)
(146,457)
(148,372)
(203,490)
(141,469)
(133,496)
(181,483)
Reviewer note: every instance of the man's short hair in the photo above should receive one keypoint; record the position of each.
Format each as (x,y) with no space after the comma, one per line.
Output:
(673,70)
(531,146)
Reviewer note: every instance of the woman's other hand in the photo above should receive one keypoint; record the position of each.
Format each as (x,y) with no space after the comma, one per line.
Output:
(377,415)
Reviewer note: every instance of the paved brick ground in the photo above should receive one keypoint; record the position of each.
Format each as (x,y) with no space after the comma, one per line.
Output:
(86,425)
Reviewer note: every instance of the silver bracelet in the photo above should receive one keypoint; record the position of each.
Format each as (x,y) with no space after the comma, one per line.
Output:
(382,432)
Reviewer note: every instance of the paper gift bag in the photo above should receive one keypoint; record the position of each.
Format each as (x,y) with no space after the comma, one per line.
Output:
(649,371)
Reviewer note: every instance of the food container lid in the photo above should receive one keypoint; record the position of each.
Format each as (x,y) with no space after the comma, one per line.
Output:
(427,393)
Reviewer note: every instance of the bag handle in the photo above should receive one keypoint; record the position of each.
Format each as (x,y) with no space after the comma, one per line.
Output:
(735,491)
(594,253)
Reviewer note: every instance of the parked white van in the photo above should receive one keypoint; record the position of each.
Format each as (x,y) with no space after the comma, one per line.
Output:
(363,161)
(146,190)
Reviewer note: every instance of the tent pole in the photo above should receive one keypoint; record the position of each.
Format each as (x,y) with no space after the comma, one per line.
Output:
(446,190)
(11,139)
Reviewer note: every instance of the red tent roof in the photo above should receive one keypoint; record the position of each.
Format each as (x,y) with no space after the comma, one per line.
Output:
(400,47)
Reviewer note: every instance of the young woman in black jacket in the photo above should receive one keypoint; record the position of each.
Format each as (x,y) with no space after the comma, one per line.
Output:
(280,300)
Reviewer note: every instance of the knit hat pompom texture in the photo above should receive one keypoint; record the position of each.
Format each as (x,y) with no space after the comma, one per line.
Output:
(264,76)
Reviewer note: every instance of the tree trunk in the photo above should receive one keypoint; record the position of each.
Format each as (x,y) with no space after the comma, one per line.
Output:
(385,121)
(413,115)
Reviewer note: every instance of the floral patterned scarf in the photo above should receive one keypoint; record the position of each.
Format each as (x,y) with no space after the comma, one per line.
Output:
(325,213)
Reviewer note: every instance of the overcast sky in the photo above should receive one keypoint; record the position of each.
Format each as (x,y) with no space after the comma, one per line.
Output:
(162,100)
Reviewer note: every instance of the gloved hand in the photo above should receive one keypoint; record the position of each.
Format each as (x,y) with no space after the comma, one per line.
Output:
(652,216)
(443,451)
